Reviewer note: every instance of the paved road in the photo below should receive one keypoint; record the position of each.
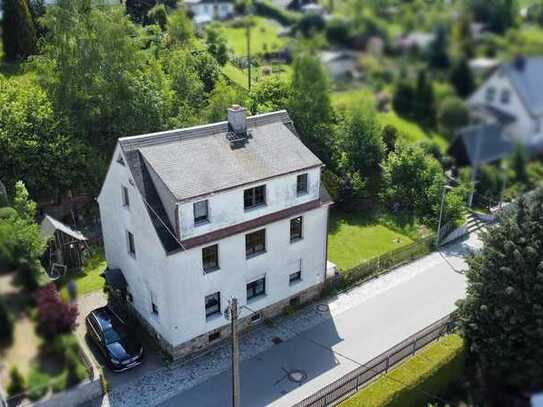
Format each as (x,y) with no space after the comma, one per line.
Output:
(362,332)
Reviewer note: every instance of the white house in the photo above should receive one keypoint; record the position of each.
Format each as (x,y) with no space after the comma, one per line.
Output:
(205,11)
(507,110)
(341,65)
(194,217)
(513,95)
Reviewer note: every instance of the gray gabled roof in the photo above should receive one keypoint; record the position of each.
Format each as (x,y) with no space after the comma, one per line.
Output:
(199,160)
(527,78)
(50,225)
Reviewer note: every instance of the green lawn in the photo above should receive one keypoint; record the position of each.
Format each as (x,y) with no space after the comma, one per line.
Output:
(410,131)
(356,237)
(432,370)
(90,279)
(263,37)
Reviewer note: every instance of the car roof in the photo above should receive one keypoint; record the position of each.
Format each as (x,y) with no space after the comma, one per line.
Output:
(106,318)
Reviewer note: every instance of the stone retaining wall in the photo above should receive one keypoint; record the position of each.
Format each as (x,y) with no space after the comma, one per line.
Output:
(201,344)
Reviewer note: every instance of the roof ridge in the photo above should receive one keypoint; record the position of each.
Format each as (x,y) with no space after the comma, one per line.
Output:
(168,136)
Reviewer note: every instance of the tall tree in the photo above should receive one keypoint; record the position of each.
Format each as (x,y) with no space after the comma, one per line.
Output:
(96,75)
(438,53)
(402,100)
(309,104)
(498,14)
(424,104)
(462,78)
(216,45)
(35,149)
(502,315)
(18,33)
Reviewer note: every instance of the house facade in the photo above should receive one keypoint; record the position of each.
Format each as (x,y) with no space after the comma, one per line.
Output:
(205,11)
(194,217)
(513,98)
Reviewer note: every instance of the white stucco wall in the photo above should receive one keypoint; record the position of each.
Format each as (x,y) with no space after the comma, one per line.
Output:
(524,127)
(224,10)
(226,208)
(178,282)
(143,273)
(187,285)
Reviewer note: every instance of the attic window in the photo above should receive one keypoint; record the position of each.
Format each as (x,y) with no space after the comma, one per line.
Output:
(120,159)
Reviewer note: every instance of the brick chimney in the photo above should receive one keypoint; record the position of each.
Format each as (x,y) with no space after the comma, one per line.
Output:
(237,119)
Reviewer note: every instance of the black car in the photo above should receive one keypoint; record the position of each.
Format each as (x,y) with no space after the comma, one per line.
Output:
(116,342)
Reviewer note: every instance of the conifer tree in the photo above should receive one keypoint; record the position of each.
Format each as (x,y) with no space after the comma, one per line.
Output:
(18,33)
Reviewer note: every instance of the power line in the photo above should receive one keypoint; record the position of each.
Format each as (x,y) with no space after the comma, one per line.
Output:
(329,349)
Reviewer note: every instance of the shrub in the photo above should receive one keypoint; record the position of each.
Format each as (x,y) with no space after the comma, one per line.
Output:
(38,384)
(6,323)
(158,15)
(452,115)
(270,11)
(390,136)
(55,317)
(17,382)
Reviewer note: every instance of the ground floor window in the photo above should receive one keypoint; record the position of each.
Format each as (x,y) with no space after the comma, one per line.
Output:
(213,304)
(256,288)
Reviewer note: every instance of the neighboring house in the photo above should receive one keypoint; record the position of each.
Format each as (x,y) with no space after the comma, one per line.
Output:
(415,41)
(341,65)
(205,11)
(194,217)
(507,110)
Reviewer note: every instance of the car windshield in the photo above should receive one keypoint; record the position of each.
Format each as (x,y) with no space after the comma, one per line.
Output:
(113,335)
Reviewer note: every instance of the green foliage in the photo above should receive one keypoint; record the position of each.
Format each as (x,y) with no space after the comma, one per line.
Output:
(17,383)
(361,148)
(38,384)
(180,28)
(462,78)
(498,14)
(94,72)
(519,164)
(390,136)
(309,105)
(18,33)
(424,105)
(404,95)
(220,99)
(34,147)
(438,56)
(413,184)
(21,244)
(452,115)
(269,95)
(265,9)
(158,15)
(311,24)
(216,45)
(6,323)
(414,382)
(502,315)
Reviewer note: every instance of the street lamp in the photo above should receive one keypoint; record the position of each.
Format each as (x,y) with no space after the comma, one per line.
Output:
(445,189)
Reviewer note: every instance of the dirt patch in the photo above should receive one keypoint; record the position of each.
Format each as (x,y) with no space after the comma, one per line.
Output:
(24,349)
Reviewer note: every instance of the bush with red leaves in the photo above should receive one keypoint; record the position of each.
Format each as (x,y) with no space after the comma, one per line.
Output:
(55,317)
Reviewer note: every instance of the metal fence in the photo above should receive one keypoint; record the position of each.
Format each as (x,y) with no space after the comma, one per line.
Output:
(381,264)
(358,378)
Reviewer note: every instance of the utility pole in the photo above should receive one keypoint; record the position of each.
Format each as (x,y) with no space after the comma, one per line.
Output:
(235,353)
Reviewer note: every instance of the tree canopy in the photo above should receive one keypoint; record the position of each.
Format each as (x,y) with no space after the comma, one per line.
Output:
(502,315)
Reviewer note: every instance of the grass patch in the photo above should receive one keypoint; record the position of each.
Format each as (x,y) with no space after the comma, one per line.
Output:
(264,37)
(355,237)
(432,370)
(89,279)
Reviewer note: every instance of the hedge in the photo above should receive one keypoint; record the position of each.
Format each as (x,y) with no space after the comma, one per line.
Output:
(430,371)
(271,11)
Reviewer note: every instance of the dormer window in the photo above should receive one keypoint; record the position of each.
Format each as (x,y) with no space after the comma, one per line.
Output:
(505,96)
(254,197)
(201,212)
(490,94)
(301,184)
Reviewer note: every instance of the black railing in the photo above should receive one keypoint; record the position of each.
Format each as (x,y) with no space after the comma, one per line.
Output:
(358,378)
